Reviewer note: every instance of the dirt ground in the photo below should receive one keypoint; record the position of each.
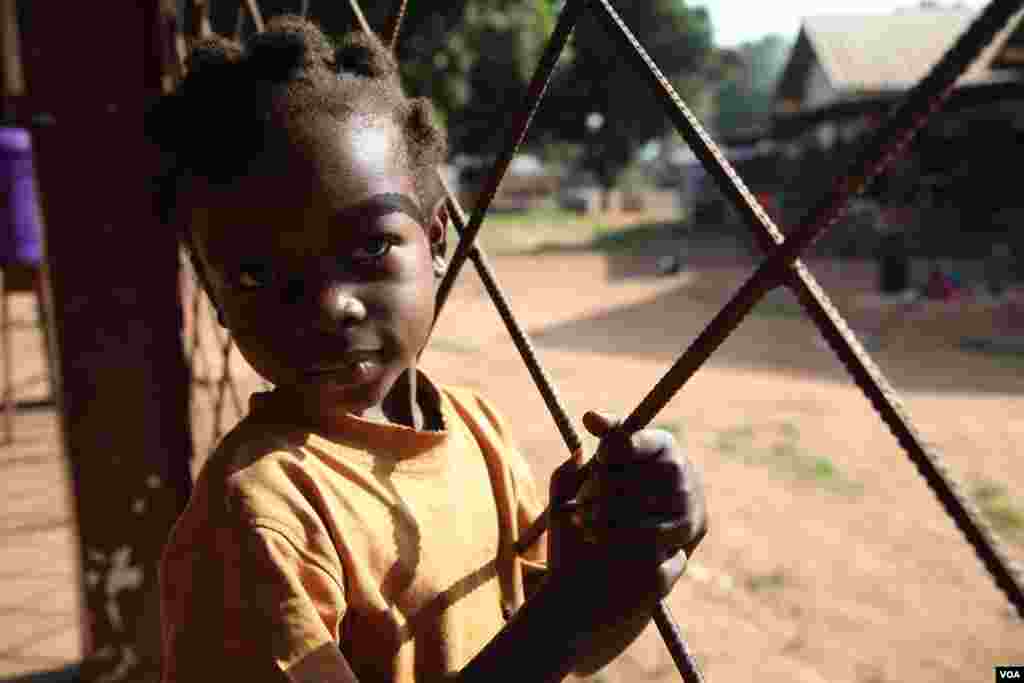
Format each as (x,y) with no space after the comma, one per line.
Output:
(828,558)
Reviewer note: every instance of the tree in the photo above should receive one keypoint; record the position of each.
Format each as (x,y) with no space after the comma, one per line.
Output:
(744,99)
(600,80)
(476,67)
(472,58)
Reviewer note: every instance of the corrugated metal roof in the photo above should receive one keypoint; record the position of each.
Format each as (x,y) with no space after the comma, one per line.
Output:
(893,51)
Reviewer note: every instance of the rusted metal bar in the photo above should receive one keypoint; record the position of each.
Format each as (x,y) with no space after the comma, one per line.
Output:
(253,9)
(357,12)
(198,19)
(394,29)
(113,271)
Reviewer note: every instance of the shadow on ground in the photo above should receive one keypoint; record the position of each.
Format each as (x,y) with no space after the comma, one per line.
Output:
(777,337)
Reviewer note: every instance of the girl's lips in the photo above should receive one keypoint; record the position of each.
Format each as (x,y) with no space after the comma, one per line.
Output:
(350,360)
(358,369)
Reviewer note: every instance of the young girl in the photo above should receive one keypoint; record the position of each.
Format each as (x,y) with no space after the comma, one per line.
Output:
(359,524)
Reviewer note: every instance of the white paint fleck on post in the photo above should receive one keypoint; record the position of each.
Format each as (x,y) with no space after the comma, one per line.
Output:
(128,661)
(121,576)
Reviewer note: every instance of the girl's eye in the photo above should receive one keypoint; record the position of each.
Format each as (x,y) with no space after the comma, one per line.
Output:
(254,276)
(372,249)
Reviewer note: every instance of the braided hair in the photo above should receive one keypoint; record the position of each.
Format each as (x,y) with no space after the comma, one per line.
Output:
(216,124)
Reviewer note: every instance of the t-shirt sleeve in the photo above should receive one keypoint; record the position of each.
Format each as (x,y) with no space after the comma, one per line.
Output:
(530,503)
(263,606)
(284,597)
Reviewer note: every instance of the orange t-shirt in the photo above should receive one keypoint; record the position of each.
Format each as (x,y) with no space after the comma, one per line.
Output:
(395,545)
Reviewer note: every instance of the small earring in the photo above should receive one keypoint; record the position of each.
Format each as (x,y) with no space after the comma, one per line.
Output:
(440,267)
(220,319)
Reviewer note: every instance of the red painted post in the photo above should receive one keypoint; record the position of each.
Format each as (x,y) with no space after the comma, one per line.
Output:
(90,70)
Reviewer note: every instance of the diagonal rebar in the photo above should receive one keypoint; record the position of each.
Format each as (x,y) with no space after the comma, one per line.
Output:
(394,29)
(253,9)
(357,12)
(884,146)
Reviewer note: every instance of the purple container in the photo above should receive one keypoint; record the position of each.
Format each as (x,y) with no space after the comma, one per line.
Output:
(20,230)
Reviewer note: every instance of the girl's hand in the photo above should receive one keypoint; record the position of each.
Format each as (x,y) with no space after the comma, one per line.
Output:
(642,509)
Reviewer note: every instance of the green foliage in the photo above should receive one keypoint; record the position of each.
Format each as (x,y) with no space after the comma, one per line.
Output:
(773,580)
(476,62)
(779,303)
(634,179)
(744,97)
(673,428)
(1005,514)
(785,456)
(600,79)
(735,442)
(453,345)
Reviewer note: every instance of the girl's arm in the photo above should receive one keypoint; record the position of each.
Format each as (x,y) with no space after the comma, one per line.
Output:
(558,629)
(324,665)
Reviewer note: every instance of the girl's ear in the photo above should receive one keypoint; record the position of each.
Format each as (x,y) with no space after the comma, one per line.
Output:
(437,233)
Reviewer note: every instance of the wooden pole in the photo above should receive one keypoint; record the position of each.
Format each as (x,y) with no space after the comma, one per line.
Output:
(12,80)
(113,274)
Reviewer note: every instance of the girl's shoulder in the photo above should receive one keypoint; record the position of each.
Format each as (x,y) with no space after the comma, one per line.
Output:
(473,407)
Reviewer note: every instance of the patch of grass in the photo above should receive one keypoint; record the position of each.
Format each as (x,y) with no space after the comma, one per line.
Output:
(552,229)
(791,459)
(673,428)
(1004,513)
(773,580)
(451,345)
(1008,359)
(786,457)
(535,231)
(779,303)
(732,441)
(789,431)
(631,237)
(538,217)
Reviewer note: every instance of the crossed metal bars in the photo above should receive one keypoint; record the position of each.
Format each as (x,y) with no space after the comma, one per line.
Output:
(781,267)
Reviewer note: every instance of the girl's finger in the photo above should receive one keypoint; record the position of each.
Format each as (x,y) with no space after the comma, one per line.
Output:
(599,424)
(646,478)
(565,482)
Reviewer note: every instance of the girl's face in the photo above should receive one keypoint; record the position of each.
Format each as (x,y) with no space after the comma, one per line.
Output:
(320,263)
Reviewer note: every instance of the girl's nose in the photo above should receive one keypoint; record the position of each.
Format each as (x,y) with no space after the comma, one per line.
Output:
(338,306)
